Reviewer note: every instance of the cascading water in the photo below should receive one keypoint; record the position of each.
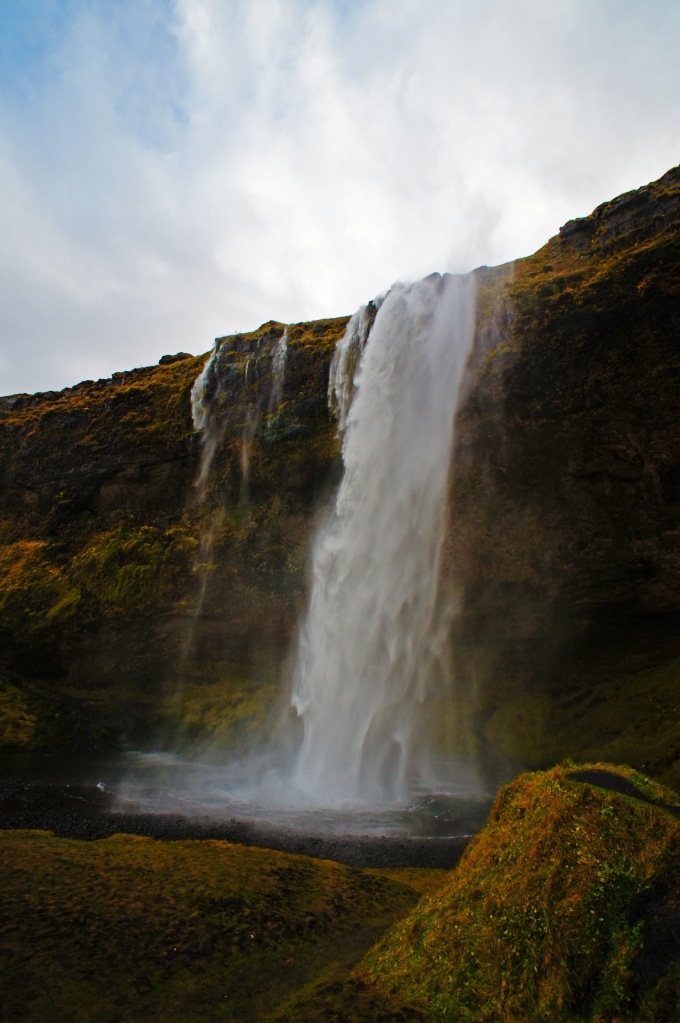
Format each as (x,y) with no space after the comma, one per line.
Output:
(371,684)
(279,356)
(372,652)
(216,385)
(346,359)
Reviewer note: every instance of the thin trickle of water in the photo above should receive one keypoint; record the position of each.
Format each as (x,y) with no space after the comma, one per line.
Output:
(372,652)
(220,383)
(206,389)
(345,361)
(278,373)
(215,384)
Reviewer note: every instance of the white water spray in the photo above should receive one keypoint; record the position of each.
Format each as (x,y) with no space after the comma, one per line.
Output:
(373,648)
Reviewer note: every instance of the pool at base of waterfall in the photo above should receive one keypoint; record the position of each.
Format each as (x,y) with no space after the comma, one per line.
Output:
(146,784)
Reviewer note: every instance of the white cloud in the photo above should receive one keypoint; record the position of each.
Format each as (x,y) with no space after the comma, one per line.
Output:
(177,172)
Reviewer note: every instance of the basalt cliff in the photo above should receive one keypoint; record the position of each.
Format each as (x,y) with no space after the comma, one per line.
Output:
(146,593)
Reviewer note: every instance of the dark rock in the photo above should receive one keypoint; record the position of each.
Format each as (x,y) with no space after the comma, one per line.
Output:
(167,360)
(566,476)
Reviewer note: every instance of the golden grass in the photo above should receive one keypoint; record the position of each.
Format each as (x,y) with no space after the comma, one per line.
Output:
(131,929)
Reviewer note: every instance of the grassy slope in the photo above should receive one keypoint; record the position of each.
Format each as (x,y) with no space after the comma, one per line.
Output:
(131,929)
(553,914)
(564,909)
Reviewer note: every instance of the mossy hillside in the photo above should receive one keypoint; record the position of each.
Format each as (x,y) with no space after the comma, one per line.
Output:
(123,576)
(130,570)
(48,600)
(36,595)
(218,705)
(17,717)
(552,914)
(39,714)
(563,539)
(92,503)
(135,929)
(222,708)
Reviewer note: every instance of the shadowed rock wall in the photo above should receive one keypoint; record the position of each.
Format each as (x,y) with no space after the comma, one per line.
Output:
(566,483)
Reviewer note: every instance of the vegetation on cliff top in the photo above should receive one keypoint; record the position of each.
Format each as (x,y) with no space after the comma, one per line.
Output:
(127,409)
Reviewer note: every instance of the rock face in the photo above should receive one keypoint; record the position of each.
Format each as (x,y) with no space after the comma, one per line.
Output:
(133,600)
(565,489)
(108,595)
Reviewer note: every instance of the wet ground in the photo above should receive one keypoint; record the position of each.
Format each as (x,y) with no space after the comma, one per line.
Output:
(167,798)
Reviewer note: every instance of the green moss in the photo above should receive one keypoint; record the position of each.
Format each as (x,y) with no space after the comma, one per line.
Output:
(322,335)
(39,714)
(631,718)
(134,929)
(36,596)
(518,730)
(151,400)
(130,569)
(217,704)
(17,718)
(544,919)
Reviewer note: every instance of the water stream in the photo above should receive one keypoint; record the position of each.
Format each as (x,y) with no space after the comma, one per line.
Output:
(373,661)
(371,689)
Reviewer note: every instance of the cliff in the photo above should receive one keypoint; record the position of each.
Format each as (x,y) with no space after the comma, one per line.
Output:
(113,622)
(119,615)
(565,489)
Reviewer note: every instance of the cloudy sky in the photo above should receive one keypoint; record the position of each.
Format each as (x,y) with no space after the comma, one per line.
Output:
(173,170)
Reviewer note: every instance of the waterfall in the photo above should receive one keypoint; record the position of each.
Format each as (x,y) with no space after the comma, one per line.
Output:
(346,360)
(372,650)
(203,395)
(279,356)
(219,384)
